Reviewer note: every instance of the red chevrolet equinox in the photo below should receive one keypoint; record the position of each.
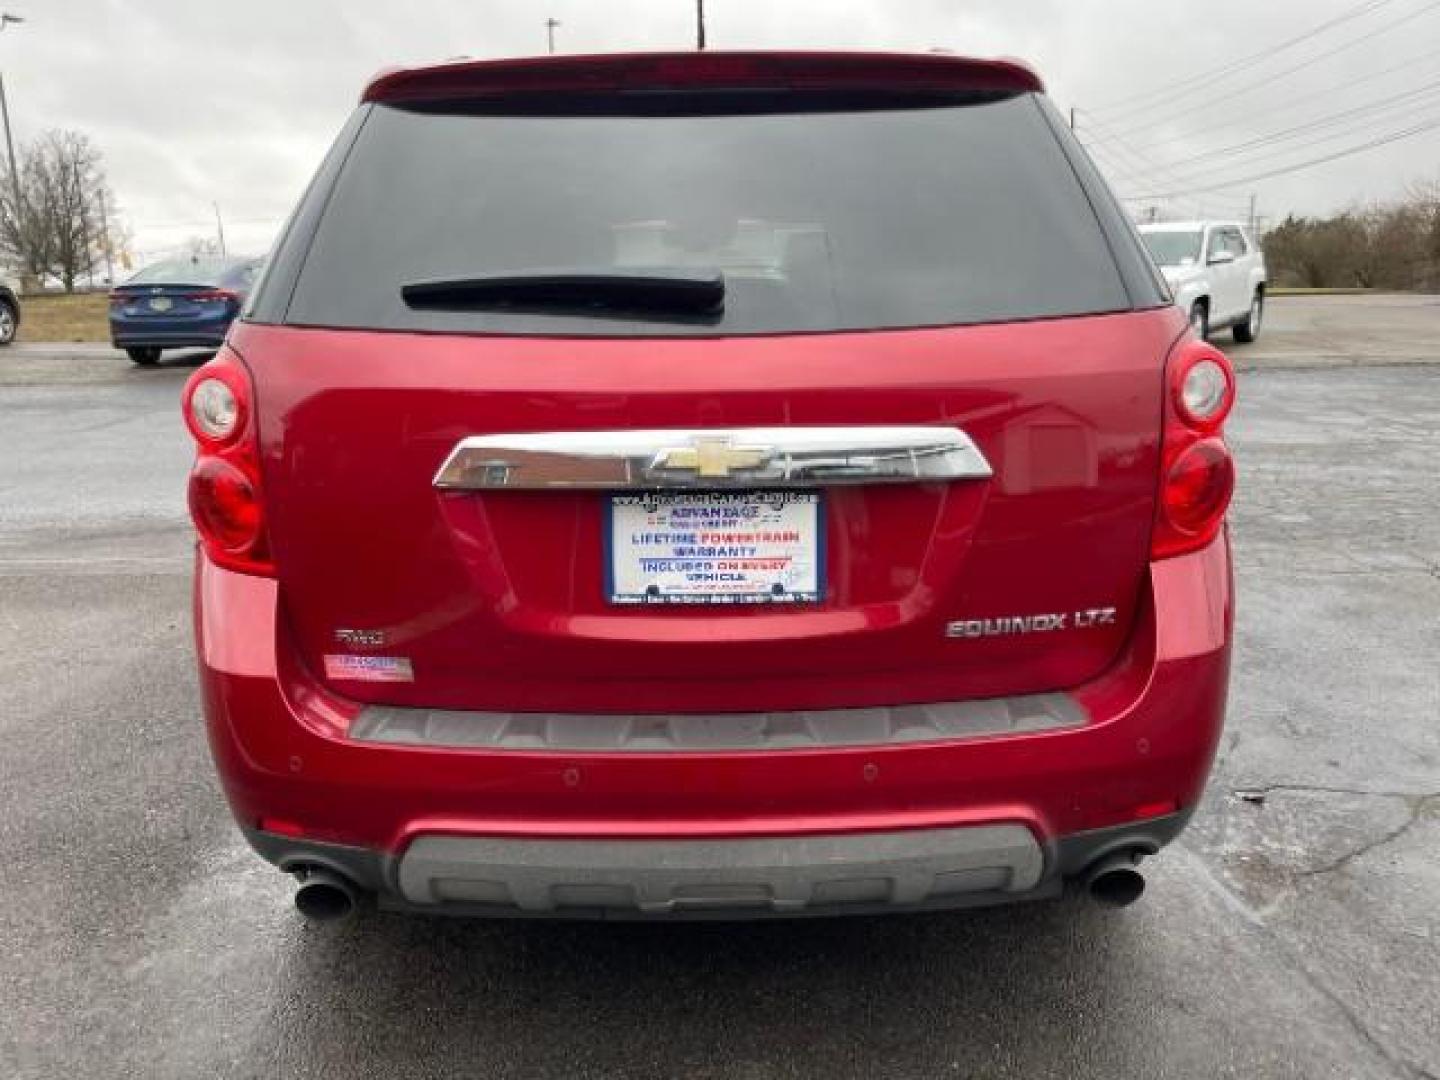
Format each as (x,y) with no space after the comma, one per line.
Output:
(716,485)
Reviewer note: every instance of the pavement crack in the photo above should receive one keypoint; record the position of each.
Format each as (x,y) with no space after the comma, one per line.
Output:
(1240,790)
(1416,807)
(1415,802)
(1296,961)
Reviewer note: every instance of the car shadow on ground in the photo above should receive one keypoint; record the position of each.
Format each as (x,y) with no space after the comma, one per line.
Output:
(180,360)
(924,994)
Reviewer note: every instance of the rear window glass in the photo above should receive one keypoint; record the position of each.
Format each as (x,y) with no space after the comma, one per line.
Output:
(186,272)
(1173,248)
(817,220)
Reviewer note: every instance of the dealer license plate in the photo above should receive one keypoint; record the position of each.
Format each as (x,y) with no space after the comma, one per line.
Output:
(752,547)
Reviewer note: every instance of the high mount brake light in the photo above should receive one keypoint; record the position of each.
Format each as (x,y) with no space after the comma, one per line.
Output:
(1197,473)
(225,496)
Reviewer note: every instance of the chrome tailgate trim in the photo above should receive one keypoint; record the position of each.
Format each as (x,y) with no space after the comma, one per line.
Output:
(712,458)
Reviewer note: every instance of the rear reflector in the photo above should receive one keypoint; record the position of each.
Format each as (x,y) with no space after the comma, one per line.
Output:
(1153,810)
(281,827)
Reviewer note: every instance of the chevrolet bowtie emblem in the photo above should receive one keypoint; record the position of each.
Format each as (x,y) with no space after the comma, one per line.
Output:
(711,458)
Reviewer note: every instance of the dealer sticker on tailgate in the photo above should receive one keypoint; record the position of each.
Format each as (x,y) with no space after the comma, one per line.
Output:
(752,547)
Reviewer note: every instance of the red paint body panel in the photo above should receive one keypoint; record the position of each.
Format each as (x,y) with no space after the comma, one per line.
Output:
(490,595)
(360,583)
(1155,718)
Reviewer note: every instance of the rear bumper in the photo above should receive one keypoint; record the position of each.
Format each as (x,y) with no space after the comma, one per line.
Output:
(199,333)
(850,874)
(151,340)
(980,816)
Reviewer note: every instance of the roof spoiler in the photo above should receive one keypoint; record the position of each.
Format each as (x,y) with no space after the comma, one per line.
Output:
(710,70)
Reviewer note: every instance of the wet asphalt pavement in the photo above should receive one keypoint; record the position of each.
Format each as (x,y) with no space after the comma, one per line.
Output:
(1293,932)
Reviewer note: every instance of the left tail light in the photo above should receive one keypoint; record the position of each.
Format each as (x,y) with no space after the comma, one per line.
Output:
(1197,473)
(226,498)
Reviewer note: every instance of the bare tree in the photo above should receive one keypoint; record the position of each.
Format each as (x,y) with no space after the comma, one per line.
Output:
(59,227)
(1424,196)
(26,242)
(1386,246)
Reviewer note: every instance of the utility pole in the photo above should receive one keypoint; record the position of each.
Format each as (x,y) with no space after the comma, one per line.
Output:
(550,25)
(1252,215)
(1072,117)
(105,237)
(700,25)
(84,227)
(7,19)
(10,147)
(219,228)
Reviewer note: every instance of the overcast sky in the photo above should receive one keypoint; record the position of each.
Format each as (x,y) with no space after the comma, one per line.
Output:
(196,103)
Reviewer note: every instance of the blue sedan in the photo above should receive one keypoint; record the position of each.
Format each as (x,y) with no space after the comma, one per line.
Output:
(179,303)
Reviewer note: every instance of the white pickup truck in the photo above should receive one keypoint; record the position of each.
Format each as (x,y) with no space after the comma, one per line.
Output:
(1216,272)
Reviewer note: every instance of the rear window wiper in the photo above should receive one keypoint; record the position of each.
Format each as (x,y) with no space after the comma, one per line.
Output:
(651,291)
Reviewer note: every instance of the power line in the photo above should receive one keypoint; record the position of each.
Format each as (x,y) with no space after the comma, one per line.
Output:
(1189,207)
(1344,118)
(1158,172)
(1250,158)
(1269,80)
(1136,182)
(1110,166)
(1300,166)
(1347,122)
(1122,145)
(1178,88)
(1328,91)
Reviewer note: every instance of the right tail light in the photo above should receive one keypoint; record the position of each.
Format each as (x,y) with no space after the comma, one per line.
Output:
(1197,473)
(205,296)
(226,500)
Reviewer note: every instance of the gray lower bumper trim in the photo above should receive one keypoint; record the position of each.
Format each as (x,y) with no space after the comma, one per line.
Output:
(1065,858)
(885,725)
(784,875)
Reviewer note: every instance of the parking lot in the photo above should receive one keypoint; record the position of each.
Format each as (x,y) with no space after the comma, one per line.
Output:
(1293,932)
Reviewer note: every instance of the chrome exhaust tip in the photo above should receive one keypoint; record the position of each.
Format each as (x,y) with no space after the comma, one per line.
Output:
(324,896)
(1115,881)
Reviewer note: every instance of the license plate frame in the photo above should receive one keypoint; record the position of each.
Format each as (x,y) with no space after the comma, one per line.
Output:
(776,570)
